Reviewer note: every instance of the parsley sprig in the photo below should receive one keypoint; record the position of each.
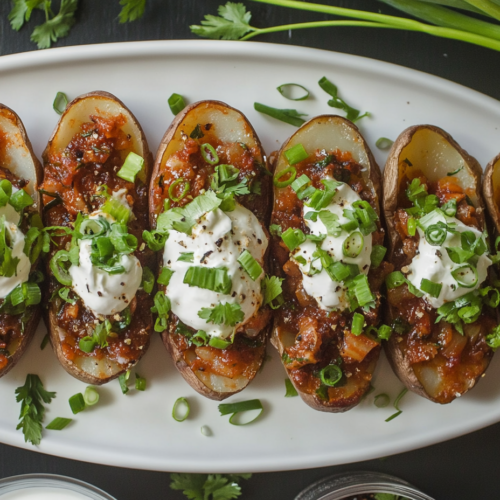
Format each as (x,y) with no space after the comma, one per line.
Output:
(32,395)
(208,486)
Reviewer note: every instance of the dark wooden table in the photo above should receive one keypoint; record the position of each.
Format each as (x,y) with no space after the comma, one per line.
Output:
(461,469)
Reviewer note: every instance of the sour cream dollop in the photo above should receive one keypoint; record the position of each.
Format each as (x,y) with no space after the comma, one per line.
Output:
(103,293)
(331,294)
(217,240)
(433,263)
(17,237)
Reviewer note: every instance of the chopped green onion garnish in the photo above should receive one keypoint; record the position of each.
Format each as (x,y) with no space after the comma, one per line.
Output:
(87,344)
(330,221)
(186,187)
(358,323)
(60,272)
(186,257)
(287,90)
(165,275)
(234,409)
(337,102)
(396,405)
(20,200)
(250,265)
(132,166)
(435,234)
(140,382)
(293,238)
(148,280)
(60,103)
(58,424)
(362,290)
(91,396)
(209,154)
(384,332)
(338,271)
(330,375)
(287,182)
(466,276)
(449,174)
(77,403)
(411,226)
(384,143)
(322,197)
(123,380)
(291,392)
(301,182)
(353,245)
(275,230)
(45,341)
(450,208)
(176,103)
(296,154)
(181,410)
(395,279)
(211,278)
(290,116)
(219,343)
(377,255)
(433,289)
(155,240)
(381,400)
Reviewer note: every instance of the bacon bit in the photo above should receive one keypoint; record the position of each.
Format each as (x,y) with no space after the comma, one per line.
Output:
(307,344)
(420,351)
(356,347)
(71,310)
(68,351)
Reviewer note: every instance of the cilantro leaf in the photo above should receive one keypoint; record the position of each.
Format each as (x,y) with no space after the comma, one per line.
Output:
(31,395)
(21,11)
(208,486)
(131,10)
(227,314)
(55,27)
(232,24)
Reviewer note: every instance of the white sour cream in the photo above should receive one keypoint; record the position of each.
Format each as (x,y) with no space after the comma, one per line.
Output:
(105,294)
(217,240)
(17,237)
(331,294)
(434,263)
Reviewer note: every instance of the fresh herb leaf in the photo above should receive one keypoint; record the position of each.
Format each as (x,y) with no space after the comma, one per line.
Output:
(131,10)
(208,486)
(32,395)
(21,11)
(272,291)
(290,116)
(222,314)
(231,24)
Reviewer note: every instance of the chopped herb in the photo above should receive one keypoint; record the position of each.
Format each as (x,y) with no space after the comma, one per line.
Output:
(290,116)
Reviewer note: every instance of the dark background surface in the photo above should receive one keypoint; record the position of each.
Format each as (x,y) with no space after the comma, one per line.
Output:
(461,469)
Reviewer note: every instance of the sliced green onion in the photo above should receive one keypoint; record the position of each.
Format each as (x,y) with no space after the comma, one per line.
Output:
(205,430)
(330,221)
(466,276)
(330,375)
(165,275)
(64,294)
(287,90)
(87,344)
(449,174)
(140,382)
(358,323)
(395,279)
(123,380)
(290,116)
(490,296)
(384,143)
(322,197)
(450,208)
(45,341)
(218,343)
(186,257)
(211,278)
(435,234)
(117,210)
(148,280)
(431,288)
(209,154)
(250,265)
(20,200)
(234,409)
(60,103)
(60,272)
(293,238)
(275,230)
(227,173)
(155,239)
(381,400)
(362,290)
(396,406)
(91,396)
(131,167)
(282,184)
(176,103)
(377,255)
(338,271)
(337,102)
(181,410)
(291,392)
(353,245)
(185,190)
(384,332)
(296,154)
(58,424)
(77,403)
(411,226)
(350,225)
(306,193)
(301,182)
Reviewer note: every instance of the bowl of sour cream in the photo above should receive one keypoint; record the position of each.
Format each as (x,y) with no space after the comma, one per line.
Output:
(49,487)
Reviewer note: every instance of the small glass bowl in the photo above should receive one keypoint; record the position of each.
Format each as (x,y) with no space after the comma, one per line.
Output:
(32,481)
(342,486)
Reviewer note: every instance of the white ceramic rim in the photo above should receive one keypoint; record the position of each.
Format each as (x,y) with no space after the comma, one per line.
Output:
(29,481)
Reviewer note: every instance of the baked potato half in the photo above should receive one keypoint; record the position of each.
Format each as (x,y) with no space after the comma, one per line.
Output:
(440,302)
(209,207)
(491,191)
(97,167)
(327,247)
(20,242)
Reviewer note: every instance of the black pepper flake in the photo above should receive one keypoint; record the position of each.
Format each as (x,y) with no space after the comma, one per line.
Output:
(100,294)
(122,283)
(259,241)
(208,126)
(88,290)
(234,294)
(219,242)
(205,255)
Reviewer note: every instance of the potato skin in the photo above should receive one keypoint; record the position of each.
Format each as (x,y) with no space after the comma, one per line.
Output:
(50,315)
(401,366)
(373,177)
(36,177)
(177,356)
(490,185)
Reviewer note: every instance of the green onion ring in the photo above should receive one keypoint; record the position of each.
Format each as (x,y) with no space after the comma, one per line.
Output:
(353,245)
(435,235)
(185,191)
(281,90)
(209,154)
(462,271)
(290,170)
(185,403)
